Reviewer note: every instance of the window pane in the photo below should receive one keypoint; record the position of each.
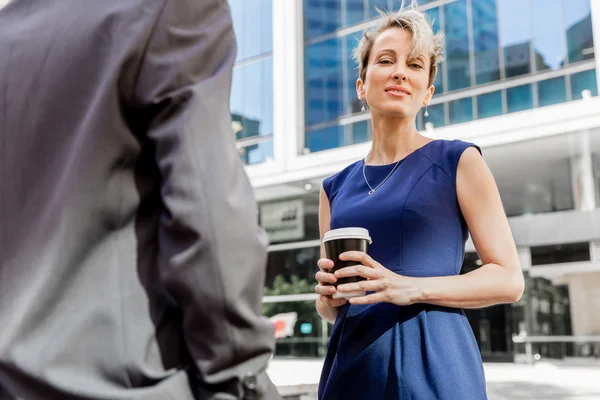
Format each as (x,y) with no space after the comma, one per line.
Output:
(353,105)
(258,153)
(258,95)
(297,264)
(237,16)
(380,4)
(334,83)
(548,34)
(489,104)
(314,87)
(265,93)
(461,110)
(519,98)
(252,99)
(578,20)
(355,11)
(250,126)
(434,15)
(314,140)
(323,77)
(438,83)
(552,91)
(266,37)
(583,81)
(436,115)
(310,334)
(334,137)
(514,18)
(321,17)
(251,111)
(361,132)
(253,27)
(485,40)
(237,102)
(457,45)
(559,254)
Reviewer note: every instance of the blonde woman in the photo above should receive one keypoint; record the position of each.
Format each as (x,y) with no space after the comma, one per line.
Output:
(408,338)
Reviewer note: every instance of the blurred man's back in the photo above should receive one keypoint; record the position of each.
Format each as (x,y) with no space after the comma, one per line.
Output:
(131,263)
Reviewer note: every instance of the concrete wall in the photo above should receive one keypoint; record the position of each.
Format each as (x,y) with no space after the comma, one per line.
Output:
(584,294)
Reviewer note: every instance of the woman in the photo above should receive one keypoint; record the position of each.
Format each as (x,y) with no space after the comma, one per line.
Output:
(408,338)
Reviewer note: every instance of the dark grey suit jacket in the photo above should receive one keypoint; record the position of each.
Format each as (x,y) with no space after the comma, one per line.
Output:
(131,262)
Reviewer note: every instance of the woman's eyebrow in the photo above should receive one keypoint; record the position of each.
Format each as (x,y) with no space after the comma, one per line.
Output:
(387,51)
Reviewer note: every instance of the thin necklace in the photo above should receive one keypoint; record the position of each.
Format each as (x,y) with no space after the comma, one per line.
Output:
(387,177)
(382,182)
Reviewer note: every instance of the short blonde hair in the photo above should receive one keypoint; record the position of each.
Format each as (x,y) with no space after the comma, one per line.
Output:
(416,22)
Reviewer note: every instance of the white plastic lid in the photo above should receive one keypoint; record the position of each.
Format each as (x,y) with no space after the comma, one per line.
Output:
(347,233)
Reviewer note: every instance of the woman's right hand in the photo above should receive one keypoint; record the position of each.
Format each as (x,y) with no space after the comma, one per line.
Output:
(325,289)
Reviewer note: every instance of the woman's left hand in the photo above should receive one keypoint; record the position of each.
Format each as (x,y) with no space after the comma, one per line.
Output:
(388,286)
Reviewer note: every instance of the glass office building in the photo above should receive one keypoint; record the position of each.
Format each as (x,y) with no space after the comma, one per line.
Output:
(252,86)
(519,78)
(501,57)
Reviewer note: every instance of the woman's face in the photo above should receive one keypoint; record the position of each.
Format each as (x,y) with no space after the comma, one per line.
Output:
(396,84)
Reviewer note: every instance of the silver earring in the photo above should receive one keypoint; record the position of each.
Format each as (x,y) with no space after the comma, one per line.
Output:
(426,114)
(362,109)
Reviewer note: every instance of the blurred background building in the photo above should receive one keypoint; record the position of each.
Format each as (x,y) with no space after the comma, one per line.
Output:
(519,78)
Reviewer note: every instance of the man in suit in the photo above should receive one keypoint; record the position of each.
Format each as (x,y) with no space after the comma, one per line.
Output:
(131,262)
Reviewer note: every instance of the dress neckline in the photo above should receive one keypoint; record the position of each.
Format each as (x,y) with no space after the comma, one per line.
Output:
(402,159)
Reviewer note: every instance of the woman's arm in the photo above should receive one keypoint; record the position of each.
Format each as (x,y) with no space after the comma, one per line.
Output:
(499,280)
(327,307)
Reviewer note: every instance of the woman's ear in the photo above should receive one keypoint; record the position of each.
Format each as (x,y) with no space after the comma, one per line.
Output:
(429,95)
(360,89)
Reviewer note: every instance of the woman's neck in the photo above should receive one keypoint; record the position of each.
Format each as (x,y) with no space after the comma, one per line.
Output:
(393,139)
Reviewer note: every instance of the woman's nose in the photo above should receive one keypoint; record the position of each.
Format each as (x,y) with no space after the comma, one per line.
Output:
(399,75)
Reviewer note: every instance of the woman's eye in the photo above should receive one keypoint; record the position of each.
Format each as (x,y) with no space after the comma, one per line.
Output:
(417,66)
(385,61)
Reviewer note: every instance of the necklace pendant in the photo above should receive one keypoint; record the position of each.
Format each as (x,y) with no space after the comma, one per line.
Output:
(371,191)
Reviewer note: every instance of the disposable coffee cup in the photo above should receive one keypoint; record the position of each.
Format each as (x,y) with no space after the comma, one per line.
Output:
(338,241)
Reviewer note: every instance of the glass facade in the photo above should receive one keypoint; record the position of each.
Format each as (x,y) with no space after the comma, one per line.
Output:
(519,98)
(583,81)
(324,99)
(515,32)
(498,54)
(458,56)
(485,42)
(489,104)
(552,91)
(252,85)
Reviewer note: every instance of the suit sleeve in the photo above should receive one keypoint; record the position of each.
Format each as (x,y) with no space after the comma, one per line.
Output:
(212,255)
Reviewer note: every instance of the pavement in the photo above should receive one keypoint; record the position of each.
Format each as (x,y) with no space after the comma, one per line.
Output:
(505,381)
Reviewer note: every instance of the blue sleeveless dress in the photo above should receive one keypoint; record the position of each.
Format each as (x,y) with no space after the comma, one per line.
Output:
(417,352)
